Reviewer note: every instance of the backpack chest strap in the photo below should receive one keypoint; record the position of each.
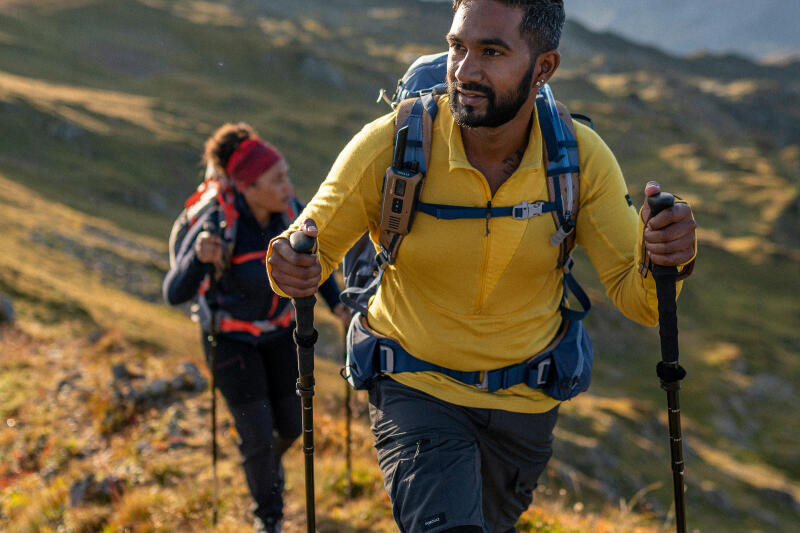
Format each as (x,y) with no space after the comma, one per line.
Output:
(521,211)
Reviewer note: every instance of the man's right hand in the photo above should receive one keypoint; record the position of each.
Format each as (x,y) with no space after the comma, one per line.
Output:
(296,274)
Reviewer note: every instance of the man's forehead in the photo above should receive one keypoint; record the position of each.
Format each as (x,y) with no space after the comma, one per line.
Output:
(482,20)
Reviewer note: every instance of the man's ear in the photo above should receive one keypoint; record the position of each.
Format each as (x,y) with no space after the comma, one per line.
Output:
(546,65)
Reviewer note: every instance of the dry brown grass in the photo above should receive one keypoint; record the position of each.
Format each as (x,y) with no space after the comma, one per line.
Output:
(91,109)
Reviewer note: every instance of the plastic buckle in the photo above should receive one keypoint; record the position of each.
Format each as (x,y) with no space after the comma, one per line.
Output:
(484,384)
(388,356)
(525,210)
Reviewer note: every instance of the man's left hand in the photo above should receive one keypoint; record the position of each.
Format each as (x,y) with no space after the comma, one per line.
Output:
(669,237)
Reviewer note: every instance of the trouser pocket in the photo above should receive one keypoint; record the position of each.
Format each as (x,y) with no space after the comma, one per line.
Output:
(429,458)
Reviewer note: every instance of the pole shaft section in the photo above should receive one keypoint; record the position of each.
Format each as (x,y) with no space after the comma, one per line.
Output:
(667,311)
(676,452)
(212,340)
(668,332)
(348,415)
(304,308)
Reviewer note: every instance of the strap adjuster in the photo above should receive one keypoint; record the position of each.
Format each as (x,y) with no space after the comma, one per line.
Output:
(383,258)
(568,264)
(525,210)
(563,231)
(484,384)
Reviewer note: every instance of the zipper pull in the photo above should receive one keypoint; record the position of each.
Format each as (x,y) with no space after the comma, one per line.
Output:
(488,215)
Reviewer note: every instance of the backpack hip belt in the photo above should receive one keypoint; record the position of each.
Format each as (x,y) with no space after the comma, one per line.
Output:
(227,323)
(562,369)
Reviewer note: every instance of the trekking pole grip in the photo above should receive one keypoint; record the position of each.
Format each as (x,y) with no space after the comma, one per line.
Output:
(659,202)
(305,336)
(665,278)
(302,243)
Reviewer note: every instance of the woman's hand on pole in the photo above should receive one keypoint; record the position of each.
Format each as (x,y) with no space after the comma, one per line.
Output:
(297,274)
(209,249)
(669,237)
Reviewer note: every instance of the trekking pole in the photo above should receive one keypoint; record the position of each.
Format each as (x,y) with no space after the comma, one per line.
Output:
(669,371)
(212,342)
(212,363)
(348,416)
(305,336)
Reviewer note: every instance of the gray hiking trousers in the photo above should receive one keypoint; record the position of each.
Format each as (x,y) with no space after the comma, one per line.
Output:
(446,466)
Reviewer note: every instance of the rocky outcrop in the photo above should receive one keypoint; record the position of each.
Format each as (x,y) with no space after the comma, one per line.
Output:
(91,490)
(6,309)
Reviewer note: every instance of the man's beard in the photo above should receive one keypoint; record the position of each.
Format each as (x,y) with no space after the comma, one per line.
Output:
(498,112)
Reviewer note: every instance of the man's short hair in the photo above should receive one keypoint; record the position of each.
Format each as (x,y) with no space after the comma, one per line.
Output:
(541,23)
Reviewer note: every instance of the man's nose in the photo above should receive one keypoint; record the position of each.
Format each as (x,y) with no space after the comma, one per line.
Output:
(466,69)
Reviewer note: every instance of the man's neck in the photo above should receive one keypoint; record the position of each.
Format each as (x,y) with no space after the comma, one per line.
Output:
(497,152)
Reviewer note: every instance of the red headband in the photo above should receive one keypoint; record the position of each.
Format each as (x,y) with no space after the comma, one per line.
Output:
(251,160)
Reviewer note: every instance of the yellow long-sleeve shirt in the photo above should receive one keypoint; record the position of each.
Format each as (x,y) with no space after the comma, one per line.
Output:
(464,299)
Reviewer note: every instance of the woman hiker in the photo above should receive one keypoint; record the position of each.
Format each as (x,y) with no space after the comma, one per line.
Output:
(220,262)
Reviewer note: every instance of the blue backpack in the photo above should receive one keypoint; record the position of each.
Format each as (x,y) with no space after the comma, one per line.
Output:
(416,101)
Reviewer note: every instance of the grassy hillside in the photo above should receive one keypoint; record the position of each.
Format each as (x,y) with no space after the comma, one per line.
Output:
(104,106)
(87,446)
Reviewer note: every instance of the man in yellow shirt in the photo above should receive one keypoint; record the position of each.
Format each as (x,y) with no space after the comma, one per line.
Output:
(476,295)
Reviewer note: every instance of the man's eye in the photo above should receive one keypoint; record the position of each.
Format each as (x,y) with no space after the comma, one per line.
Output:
(492,52)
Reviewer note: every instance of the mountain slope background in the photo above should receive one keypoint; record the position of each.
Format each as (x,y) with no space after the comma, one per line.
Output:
(104,106)
(756,29)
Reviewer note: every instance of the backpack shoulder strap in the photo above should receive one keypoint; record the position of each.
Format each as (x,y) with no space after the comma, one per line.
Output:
(404,179)
(402,185)
(574,177)
(417,114)
(176,235)
(560,148)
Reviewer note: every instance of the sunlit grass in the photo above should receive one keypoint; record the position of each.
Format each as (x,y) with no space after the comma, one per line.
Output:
(91,109)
